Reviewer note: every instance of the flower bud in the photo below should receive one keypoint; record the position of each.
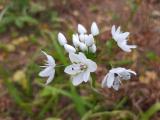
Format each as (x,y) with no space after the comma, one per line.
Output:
(93,48)
(94,29)
(61,39)
(82,37)
(75,40)
(83,46)
(89,40)
(81,29)
(69,48)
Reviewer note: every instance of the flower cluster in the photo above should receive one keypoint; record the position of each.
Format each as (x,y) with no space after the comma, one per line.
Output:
(81,67)
(81,40)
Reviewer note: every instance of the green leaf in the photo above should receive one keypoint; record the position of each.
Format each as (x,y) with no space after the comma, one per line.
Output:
(149,113)
(16,95)
(21,20)
(80,103)
(151,55)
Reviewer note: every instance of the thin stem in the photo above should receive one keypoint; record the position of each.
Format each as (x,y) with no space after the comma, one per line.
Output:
(60,65)
(113,113)
(96,90)
(93,88)
(43,66)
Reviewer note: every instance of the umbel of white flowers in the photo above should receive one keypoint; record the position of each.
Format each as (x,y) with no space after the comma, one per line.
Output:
(81,67)
(81,40)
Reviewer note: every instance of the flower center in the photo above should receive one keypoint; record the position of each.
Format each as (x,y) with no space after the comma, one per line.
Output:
(83,67)
(79,67)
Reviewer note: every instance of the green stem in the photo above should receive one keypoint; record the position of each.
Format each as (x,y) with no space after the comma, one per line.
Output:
(121,103)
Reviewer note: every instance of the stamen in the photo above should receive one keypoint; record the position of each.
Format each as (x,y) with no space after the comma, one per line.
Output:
(120,81)
(43,66)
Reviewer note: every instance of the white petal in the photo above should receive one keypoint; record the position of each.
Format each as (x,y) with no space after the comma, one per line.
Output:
(131,71)
(82,57)
(93,48)
(94,29)
(92,66)
(124,35)
(75,40)
(50,59)
(115,38)
(72,69)
(78,79)
(77,58)
(104,81)
(118,30)
(86,76)
(82,37)
(69,48)
(116,84)
(61,39)
(85,37)
(110,80)
(50,78)
(124,47)
(132,46)
(46,72)
(81,29)
(74,58)
(117,70)
(83,46)
(113,30)
(89,40)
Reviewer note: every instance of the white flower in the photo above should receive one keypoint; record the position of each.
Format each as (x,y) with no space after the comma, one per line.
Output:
(69,48)
(114,77)
(94,29)
(81,29)
(61,39)
(49,70)
(75,40)
(93,48)
(89,40)
(82,37)
(80,68)
(121,39)
(82,46)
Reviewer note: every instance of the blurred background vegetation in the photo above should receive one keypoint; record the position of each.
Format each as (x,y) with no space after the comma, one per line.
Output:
(29,26)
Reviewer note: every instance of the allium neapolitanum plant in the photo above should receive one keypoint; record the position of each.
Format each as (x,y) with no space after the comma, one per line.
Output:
(81,67)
